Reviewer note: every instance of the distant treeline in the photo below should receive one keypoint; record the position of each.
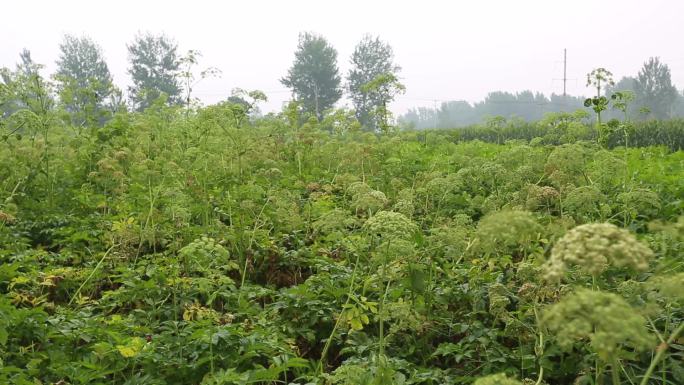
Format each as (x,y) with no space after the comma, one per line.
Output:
(557,129)
(524,105)
(652,96)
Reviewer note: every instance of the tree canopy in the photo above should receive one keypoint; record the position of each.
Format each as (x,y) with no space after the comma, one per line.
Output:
(314,76)
(84,83)
(371,58)
(654,89)
(154,67)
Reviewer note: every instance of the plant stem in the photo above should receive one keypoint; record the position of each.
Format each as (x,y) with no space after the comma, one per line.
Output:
(324,353)
(660,351)
(614,374)
(541,346)
(382,318)
(91,274)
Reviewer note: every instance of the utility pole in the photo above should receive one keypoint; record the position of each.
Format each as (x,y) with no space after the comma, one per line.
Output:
(436,113)
(563,103)
(565,69)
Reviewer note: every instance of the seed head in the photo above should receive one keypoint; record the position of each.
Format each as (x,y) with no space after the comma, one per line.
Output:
(641,202)
(507,231)
(497,379)
(584,201)
(605,319)
(390,225)
(593,248)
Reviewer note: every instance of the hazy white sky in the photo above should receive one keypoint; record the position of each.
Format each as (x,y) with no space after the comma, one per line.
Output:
(449,50)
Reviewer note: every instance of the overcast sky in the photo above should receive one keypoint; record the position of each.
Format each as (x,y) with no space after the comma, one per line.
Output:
(448,50)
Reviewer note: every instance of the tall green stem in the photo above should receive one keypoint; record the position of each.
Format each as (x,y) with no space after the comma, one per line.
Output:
(659,354)
(614,373)
(324,353)
(381,307)
(91,274)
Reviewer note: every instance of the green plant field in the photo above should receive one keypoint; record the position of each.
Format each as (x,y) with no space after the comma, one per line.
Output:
(174,247)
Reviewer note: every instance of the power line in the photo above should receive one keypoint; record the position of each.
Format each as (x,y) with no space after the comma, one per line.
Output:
(430,99)
(212,93)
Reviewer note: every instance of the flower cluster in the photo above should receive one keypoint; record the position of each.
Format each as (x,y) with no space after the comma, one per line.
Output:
(496,379)
(284,211)
(570,159)
(507,231)
(669,288)
(593,248)
(6,217)
(584,201)
(606,168)
(449,241)
(110,173)
(404,202)
(390,225)
(606,319)
(641,203)
(365,199)
(541,197)
(205,253)
(437,187)
(498,300)
(395,249)
(525,174)
(333,221)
